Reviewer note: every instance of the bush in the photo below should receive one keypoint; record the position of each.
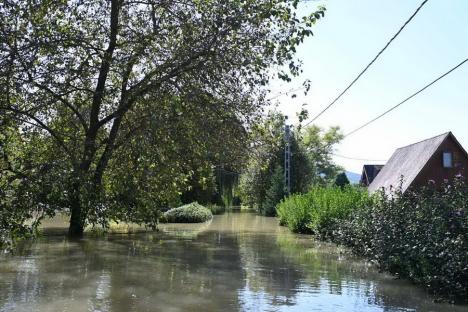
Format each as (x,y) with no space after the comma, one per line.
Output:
(320,210)
(190,213)
(294,212)
(422,236)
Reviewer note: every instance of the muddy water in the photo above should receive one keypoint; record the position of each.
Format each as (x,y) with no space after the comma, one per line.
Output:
(238,262)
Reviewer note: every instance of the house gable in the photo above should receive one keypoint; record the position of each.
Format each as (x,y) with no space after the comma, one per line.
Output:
(434,169)
(406,164)
(369,172)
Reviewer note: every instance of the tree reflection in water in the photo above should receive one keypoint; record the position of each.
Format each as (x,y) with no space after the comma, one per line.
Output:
(238,262)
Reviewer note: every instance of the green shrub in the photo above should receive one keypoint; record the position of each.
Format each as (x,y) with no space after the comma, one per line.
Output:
(422,236)
(321,209)
(190,213)
(294,212)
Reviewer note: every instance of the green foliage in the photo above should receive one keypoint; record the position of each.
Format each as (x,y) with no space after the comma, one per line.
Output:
(190,213)
(227,182)
(295,213)
(318,145)
(311,162)
(267,138)
(341,180)
(23,183)
(202,187)
(422,236)
(275,192)
(132,103)
(321,209)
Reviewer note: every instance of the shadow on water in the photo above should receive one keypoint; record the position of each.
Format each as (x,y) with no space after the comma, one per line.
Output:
(238,262)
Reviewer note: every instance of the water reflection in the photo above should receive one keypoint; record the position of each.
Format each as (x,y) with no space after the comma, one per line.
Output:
(238,262)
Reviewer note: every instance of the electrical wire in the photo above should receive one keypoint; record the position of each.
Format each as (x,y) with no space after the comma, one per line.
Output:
(368,65)
(407,99)
(360,159)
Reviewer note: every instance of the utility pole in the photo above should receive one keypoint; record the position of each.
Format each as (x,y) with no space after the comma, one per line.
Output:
(287,156)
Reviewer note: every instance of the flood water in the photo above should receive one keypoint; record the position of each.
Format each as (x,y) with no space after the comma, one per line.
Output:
(237,262)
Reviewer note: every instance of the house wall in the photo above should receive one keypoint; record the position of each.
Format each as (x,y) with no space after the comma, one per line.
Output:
(434,169)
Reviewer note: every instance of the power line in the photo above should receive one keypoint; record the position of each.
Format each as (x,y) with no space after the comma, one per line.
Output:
(407,99)
(368,65)
(360,159)
(394,107)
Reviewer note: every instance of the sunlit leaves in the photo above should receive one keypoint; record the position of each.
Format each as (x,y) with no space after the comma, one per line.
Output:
(123,100)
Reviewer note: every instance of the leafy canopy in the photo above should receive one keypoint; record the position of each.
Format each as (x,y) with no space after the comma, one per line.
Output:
(311,161)
(119,103)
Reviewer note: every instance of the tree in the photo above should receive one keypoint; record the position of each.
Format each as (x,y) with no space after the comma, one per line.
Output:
(311,161)
(128,98)
(341,180)
(318,145)
(11,182)
(265,154)
(275,193)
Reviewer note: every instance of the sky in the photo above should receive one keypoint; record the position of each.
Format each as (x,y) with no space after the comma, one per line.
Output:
(348,38)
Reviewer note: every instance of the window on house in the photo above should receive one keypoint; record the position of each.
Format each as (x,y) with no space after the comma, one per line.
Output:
(447,160)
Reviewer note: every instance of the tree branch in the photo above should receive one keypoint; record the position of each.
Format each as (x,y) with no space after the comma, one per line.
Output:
(41,125)
(89,148)
(105,65)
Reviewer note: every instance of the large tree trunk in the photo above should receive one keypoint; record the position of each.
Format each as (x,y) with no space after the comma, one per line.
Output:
(78,216)
(77,222)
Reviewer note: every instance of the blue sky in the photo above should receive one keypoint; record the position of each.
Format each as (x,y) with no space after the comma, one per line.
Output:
(349,36)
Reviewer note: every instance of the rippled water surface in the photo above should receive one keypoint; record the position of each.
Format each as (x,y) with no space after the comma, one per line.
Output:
(238,262)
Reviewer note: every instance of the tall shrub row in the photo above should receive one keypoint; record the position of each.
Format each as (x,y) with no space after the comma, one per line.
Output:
(421,236)
(319,210)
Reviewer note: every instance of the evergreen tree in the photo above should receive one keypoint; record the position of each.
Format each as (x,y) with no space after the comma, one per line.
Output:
(311,161)
(341,180)
(275,192)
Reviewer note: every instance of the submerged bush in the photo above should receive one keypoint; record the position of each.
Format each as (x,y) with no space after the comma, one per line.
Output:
(422,236)
(190,213)
(321,209)
(294,212)
(419,235)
